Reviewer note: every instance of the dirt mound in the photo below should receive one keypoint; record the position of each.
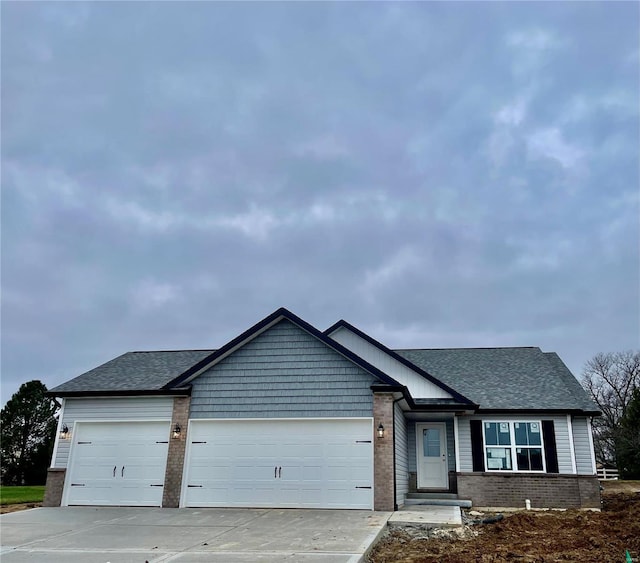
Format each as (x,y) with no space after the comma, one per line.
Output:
(531,537)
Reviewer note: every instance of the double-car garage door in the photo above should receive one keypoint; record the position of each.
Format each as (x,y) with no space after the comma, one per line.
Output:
(280,463)
(302,463)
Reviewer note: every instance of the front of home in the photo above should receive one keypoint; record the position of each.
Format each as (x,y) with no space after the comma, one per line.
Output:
(288,416)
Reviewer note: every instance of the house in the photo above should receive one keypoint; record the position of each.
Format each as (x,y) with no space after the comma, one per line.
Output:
(285,415)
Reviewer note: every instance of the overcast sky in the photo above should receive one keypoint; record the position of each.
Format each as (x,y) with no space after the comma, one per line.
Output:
(437,174)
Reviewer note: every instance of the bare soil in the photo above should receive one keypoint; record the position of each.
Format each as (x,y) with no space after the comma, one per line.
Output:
(5,509)
(531,536)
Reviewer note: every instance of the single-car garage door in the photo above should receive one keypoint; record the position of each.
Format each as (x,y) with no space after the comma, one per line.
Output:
(297,463)
(117,463)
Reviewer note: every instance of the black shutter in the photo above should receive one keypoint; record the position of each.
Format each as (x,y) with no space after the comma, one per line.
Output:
(550,452)
(477,446)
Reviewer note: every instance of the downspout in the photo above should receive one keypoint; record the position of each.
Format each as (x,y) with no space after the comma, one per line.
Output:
(395,475)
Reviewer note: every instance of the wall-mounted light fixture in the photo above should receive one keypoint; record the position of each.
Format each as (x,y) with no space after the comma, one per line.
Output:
(380,430)
(176,431)
(64,432)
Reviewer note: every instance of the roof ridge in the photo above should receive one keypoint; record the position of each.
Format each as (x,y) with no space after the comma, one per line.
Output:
(186,350)
(471,348)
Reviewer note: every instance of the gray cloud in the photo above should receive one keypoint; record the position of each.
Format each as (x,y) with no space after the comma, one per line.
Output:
(437,174)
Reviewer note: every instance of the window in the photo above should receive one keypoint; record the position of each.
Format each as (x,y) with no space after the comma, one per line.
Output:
(509,443)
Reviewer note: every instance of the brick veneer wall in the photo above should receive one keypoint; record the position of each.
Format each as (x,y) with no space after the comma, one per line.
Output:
(383,470)
(175,457)
(544,491)
(54,486)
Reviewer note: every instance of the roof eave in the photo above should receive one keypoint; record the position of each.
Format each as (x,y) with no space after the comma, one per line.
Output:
(177,392)
(469,408)
(515,411)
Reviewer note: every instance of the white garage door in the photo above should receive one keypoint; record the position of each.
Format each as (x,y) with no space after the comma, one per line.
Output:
(118,463)
(280,463)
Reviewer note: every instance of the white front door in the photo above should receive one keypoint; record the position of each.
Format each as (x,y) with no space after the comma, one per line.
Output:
(280,463)
(117,463)
(432,455)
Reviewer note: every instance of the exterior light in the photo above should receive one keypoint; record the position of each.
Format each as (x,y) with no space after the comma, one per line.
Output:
(380,430)
(64,433)
(176,431)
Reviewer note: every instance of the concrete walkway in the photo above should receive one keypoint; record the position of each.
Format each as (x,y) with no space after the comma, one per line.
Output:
(136,535)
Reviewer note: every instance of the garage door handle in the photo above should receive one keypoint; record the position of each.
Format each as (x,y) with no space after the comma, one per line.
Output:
(275,472)
(114,470)
(279,472)
(122,472)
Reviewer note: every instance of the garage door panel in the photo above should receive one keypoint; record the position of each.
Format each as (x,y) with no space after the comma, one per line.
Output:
(297,463)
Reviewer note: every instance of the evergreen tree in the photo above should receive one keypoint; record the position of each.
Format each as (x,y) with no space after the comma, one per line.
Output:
(27,435)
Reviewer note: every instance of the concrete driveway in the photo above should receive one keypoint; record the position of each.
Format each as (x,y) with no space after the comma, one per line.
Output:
(184,535)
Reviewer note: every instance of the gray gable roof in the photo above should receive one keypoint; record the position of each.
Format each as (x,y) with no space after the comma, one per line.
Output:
(493,378)
(505,378)
(133,371)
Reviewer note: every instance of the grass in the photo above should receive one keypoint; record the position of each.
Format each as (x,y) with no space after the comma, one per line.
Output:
(17,495)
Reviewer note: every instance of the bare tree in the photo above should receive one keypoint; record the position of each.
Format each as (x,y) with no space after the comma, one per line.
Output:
(610,379)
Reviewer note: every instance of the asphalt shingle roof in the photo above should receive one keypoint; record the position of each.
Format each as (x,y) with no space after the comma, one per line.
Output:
(493,378)
(134,371)
(505,378)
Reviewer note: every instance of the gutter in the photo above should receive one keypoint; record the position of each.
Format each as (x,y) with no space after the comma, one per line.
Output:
(178,392)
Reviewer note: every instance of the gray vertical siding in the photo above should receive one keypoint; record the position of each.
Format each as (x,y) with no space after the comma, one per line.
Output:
(411,445)
(451,452)
(464,444)
(582,445)
(563,445)
(401,455)
(110,409)
(283,372)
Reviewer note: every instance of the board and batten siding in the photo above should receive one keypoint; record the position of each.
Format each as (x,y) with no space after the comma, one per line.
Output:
(109,409)
(582,445)
(401,454)
(563,445)
(284,372)
(419,387)
(451,445)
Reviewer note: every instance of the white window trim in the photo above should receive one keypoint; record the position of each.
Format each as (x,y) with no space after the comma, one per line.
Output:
(513,447)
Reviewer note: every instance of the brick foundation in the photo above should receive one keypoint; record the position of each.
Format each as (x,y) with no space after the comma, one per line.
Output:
(383,470)
(54,486)
(175,457)
(544,491)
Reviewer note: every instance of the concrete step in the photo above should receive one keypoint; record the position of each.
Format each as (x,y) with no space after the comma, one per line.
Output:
(432,495)
(424,516)
(437,502)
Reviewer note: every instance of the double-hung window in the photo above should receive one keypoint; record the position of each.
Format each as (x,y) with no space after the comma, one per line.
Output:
(513,446)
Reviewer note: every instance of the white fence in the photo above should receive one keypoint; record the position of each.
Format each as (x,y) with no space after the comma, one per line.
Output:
(607,474)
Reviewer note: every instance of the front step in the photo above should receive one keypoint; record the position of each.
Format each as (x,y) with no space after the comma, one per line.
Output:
(426,516)
(435,499)
(432,495)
